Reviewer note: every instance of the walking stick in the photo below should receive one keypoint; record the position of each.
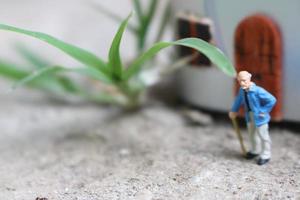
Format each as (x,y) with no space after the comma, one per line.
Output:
(238,133)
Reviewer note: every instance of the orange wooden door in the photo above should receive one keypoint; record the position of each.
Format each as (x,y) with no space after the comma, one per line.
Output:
(258,49)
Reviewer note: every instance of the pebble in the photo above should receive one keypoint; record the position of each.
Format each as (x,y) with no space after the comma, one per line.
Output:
(144,195)
(197,117)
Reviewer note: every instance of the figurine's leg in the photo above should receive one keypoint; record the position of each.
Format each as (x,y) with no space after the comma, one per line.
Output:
(263,132)
(254,138)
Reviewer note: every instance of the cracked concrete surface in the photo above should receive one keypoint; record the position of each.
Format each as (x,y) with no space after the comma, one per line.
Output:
(88,152)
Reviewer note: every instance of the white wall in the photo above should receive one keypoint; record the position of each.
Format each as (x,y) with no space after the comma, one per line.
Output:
(230,12)
(74,21)
(226,15)
(205,87)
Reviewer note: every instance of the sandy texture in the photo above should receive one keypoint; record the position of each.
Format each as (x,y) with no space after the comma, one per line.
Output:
(86,152)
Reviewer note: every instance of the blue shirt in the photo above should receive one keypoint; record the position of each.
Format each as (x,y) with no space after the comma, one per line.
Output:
(260,101)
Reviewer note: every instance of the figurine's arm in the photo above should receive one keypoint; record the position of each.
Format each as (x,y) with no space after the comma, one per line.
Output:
(236,105)
(237,102)
(267,100)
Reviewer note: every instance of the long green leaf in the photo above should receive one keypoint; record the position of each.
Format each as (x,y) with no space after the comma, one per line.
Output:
(32,57)
(77,53)
(114,59)
(164,21)
(212,52)
(138,8)
(54,69)
(16,73)
(91,72)
(12,71)
(68,85)
(145,24)
(36,74)
(151,11)
(47,84)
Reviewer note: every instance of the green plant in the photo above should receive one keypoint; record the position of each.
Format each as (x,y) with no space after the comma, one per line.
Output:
(58,84)
(123,78)
(144,21)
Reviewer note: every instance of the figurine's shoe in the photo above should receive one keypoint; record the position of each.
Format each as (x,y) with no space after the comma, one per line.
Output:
(262,161)
(250,155)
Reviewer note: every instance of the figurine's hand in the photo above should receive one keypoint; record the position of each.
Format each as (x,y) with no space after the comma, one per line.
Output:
(232,115)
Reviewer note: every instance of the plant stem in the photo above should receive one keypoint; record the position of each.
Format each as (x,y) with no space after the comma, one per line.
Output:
(132,95)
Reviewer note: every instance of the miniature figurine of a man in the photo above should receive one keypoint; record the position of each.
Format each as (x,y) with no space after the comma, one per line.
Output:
(258,103)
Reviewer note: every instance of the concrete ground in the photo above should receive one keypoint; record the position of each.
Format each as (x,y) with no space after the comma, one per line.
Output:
(82,151)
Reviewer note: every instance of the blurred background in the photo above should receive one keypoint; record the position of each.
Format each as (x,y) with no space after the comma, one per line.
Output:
(65,150)
(91,25)
(79,22)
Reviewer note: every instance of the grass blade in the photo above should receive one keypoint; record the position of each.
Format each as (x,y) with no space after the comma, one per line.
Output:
(145,24)
(212,52)
(31,57)
(35,75)
(68,85)
(138,8)
(134,68)
(150,13)
(77,53)
(114,58)
(55,69)
(164,21)
(12,71)
(16,73)
(91,72)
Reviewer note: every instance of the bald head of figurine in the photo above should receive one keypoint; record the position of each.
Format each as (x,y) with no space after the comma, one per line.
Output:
(244,79)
